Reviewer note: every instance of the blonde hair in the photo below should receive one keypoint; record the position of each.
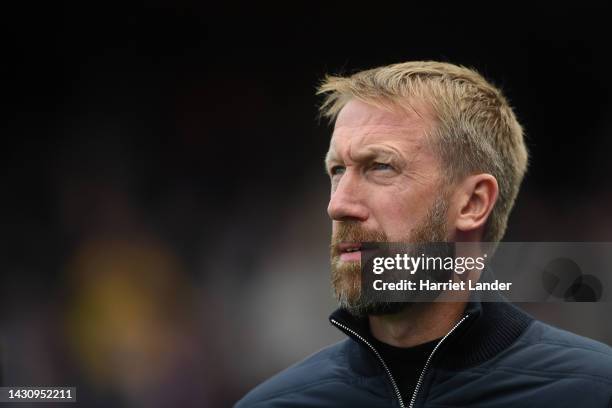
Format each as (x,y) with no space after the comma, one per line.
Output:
(475,129)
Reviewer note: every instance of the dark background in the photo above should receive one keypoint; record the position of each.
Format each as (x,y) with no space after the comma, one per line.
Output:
(163,214)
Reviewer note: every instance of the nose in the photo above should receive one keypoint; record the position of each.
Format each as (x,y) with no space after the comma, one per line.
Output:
(346,202)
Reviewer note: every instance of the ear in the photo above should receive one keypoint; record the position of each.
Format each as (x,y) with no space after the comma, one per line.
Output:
(476,196)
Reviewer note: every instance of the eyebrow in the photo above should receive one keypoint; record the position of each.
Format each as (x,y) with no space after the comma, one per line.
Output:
(377,153)
(368,154)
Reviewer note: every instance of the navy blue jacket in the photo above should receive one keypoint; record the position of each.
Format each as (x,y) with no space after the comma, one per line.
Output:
(496,356)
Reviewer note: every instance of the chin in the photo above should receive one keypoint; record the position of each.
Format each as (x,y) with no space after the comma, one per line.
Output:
(376,309)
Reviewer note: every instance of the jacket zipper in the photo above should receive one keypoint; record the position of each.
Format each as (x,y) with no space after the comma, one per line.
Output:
(393,383)
(428,362)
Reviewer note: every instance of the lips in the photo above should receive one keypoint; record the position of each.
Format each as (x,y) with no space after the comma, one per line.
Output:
(350,251)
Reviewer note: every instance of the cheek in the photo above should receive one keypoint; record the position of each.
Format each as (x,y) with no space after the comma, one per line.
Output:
(400,211)
(395,215)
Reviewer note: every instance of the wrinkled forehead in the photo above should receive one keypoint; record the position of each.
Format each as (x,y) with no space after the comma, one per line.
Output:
(365,123)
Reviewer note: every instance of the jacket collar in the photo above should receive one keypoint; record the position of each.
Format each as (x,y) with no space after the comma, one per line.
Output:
(490,328)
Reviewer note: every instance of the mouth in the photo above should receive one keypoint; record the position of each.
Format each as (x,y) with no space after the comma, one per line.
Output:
(350,251)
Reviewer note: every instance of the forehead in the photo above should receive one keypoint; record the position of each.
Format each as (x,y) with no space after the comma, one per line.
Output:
(359,122)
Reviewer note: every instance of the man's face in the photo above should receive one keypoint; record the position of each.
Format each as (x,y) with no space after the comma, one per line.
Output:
(385,187)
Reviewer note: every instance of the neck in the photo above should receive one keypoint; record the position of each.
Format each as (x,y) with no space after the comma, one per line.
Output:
(418,323)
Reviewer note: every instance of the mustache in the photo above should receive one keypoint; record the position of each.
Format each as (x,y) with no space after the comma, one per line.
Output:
(351,231)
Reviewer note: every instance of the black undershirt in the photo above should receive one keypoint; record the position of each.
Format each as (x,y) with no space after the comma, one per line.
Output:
(405,364)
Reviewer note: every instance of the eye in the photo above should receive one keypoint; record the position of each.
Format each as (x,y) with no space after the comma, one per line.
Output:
(336,170)
(381,166)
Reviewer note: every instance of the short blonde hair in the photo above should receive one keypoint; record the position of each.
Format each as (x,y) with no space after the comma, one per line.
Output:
(475,129)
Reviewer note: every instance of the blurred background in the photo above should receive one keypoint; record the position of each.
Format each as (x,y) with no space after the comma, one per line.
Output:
(164,202)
